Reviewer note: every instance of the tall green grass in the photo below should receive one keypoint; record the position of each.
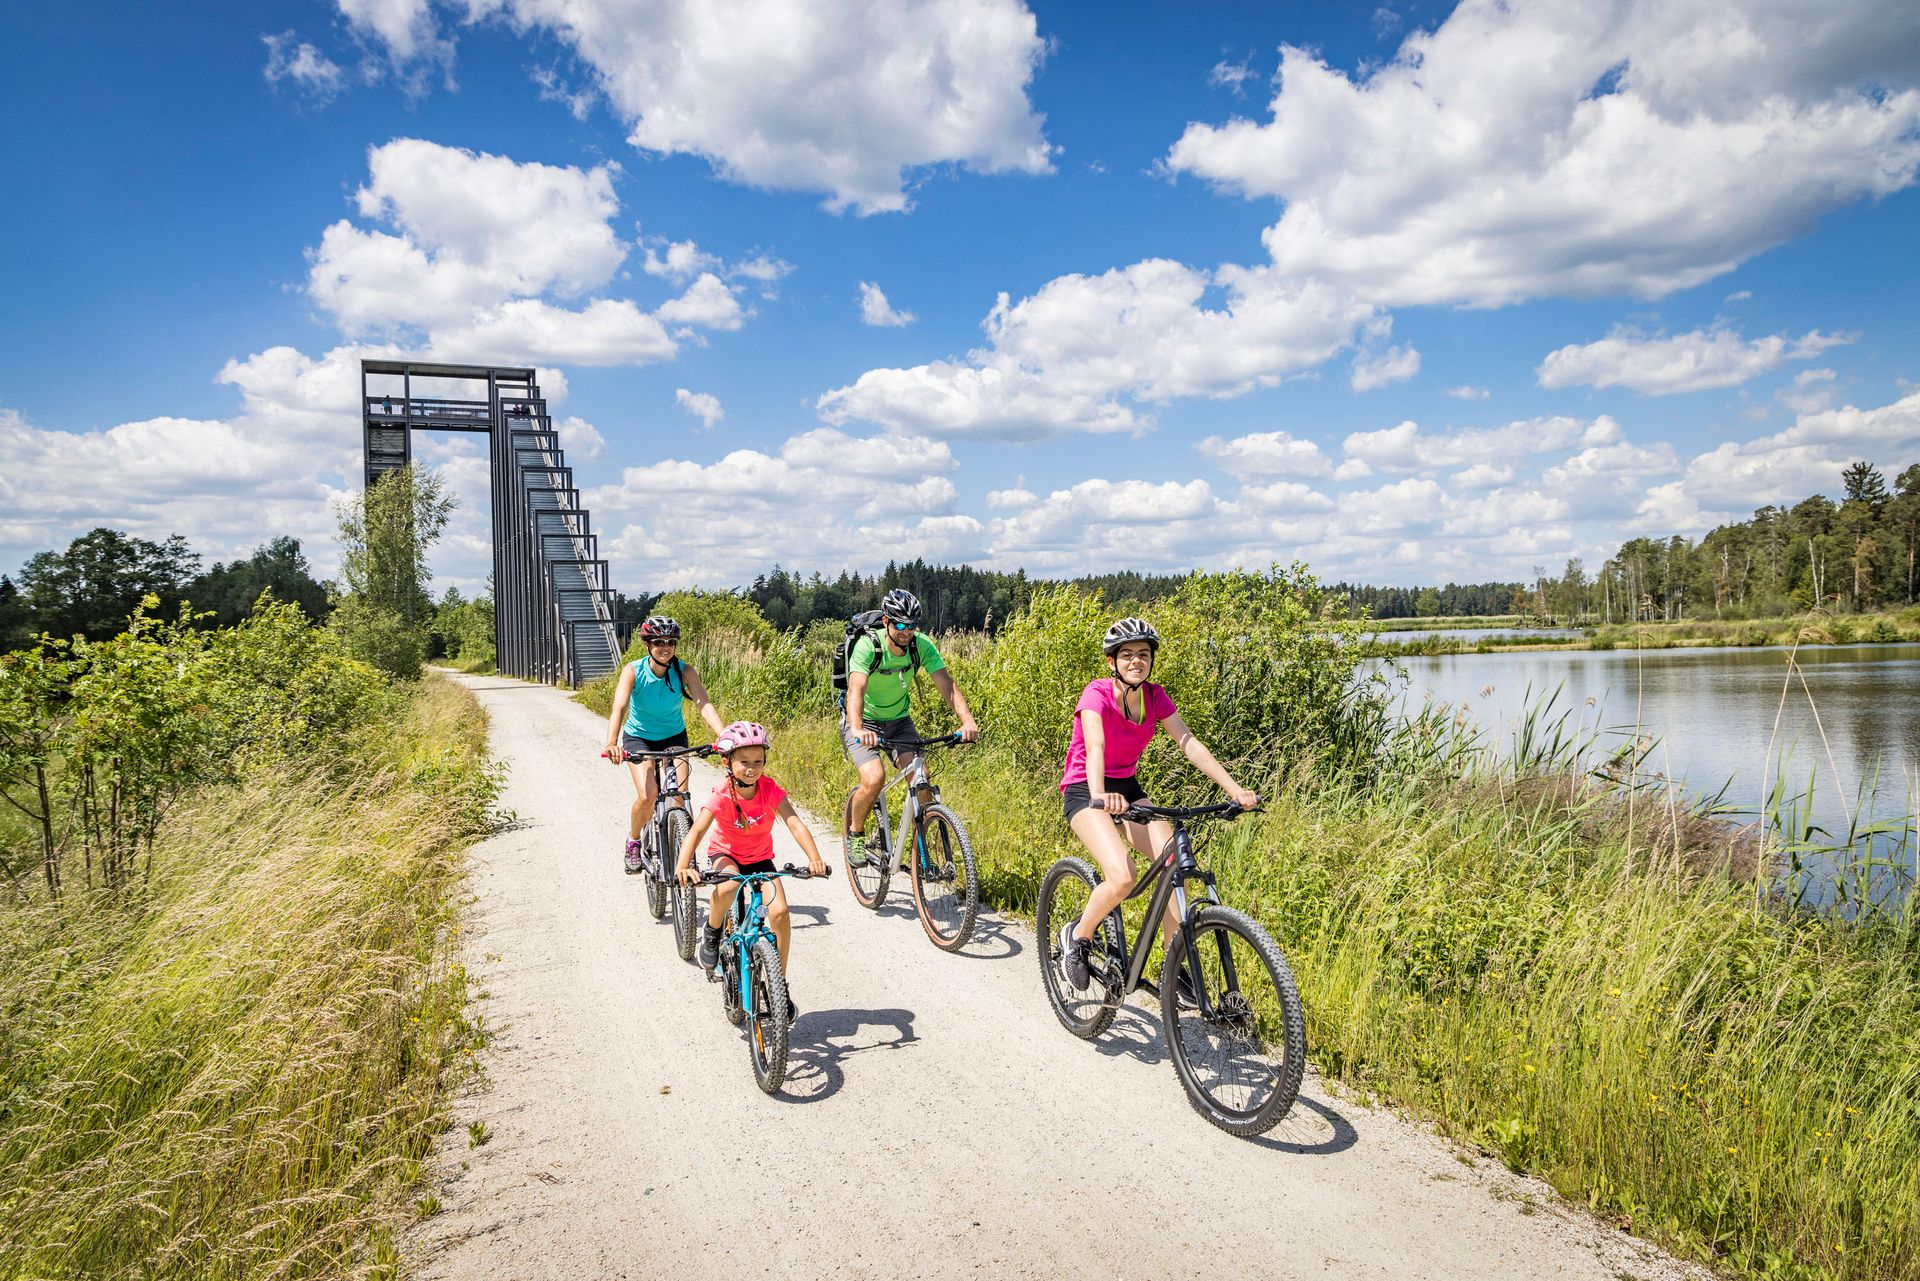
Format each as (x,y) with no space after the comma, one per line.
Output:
(1575,975)
(236,1067)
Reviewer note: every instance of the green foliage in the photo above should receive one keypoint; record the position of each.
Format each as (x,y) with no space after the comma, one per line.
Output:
(464,629)
(379,637)
(707,616)
(385,532)
(98,739)
(94,586)
(228,592)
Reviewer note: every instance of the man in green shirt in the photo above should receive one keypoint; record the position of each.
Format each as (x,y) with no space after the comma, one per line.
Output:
(879,697)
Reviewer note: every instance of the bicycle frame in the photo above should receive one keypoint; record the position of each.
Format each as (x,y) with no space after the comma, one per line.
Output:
(913,775)
(1167,878)
(747,919)
(918,782)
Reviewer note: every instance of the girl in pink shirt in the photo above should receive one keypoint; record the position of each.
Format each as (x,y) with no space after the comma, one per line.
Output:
(1112,725)
(742,812)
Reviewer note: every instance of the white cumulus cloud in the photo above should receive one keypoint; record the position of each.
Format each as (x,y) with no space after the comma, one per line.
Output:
(702,405)
(876,310)
(1085,352)
(1575,147)
(1668,365)
(290,58)
(811,95)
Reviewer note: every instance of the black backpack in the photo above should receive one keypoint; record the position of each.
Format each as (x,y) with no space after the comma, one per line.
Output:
(868,622)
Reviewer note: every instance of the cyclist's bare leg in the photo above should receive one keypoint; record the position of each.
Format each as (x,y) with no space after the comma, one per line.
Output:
(646,791)
(872,775)
(722,898)
(782,922)
(1110,850)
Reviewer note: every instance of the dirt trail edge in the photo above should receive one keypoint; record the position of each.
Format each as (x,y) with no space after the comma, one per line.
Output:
(936,1121)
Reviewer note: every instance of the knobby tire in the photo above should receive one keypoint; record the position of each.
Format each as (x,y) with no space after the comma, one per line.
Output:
(1226,1064)
(1063,894)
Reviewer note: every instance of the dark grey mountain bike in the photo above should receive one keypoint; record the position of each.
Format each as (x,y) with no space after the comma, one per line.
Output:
(1228,1001)
(660,846)
(933,847)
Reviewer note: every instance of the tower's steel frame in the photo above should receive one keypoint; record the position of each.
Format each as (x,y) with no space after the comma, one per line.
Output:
(553,603)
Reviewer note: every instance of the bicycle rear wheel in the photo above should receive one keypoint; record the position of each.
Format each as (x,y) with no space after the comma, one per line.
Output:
(944,884)
(683,900)
(1063,897)
(656,888)
(1241,1065)
(767,1023)
(869,883)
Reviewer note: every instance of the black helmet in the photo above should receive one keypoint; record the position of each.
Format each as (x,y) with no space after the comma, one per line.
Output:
(901,605)
(1129,629)
(660,626)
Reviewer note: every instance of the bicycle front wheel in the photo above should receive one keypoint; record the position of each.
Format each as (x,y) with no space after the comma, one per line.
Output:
(767,1021)
(1063,897)
(944,884)
(684,901)
(1240,1063)
(869,883)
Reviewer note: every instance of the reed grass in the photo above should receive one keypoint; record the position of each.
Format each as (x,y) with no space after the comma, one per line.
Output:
(238,1072)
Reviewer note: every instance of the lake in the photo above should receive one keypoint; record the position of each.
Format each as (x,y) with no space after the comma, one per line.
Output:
(1713,712)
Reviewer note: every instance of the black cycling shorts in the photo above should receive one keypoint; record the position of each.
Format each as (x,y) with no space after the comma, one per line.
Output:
(630,743)
(1077,796)
(745,869)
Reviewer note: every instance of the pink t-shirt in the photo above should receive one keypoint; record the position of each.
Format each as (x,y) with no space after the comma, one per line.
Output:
(743,827)
(1124,739)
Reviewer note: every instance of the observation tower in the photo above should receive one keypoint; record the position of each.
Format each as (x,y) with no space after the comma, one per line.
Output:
(552,601)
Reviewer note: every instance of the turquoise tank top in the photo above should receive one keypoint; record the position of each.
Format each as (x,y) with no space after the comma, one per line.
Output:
(654,711)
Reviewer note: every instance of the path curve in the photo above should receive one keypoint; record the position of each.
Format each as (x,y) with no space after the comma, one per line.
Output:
(936,1122)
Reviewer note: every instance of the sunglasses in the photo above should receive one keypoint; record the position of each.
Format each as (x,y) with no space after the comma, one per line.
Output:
(903,627)
(668,642)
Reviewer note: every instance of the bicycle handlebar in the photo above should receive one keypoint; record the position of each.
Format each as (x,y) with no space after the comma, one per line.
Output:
(666,754)
(1140,811)
(799,873)
(918,744)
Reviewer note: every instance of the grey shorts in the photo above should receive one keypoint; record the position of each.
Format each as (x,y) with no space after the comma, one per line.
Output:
(860,755)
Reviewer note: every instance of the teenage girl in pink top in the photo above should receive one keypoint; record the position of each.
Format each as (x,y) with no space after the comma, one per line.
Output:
(742,811)
(1112,725)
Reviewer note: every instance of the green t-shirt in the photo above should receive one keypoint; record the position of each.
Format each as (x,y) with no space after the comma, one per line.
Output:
(890,679)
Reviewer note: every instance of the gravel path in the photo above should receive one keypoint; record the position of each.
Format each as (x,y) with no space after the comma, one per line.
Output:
(936,1121)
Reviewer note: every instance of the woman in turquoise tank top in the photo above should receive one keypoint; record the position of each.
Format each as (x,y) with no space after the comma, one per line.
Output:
(649,715)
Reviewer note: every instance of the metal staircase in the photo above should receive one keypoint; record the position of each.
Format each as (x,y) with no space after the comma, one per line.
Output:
(553,602)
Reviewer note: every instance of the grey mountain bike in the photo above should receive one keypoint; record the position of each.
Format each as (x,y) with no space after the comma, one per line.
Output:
(933,848)
(660,846)
(1228,1002)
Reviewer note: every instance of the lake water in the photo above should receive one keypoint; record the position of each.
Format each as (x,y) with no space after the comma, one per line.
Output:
(1713,712)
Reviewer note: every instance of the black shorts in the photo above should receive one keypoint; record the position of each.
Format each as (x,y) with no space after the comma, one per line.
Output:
(1078,796)
(631,743)
(745,869)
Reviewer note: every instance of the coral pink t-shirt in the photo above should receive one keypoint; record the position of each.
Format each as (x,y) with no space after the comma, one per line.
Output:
(1124,739)
(743,826)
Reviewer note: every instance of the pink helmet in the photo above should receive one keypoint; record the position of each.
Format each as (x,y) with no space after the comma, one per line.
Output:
(741,734)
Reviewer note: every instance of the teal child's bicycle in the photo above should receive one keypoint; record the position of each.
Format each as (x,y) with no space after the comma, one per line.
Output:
(752,985)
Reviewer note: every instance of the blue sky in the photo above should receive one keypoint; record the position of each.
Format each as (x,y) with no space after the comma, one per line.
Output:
(1411,292)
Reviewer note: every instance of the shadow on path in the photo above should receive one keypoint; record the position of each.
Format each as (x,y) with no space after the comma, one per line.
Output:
(823,1039)
(1313,1128)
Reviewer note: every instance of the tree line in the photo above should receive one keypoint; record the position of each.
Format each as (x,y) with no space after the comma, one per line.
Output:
(1858,555)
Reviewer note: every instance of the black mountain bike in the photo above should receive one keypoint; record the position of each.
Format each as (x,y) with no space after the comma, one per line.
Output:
(660,846)
(1228,1002)
(939,855)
